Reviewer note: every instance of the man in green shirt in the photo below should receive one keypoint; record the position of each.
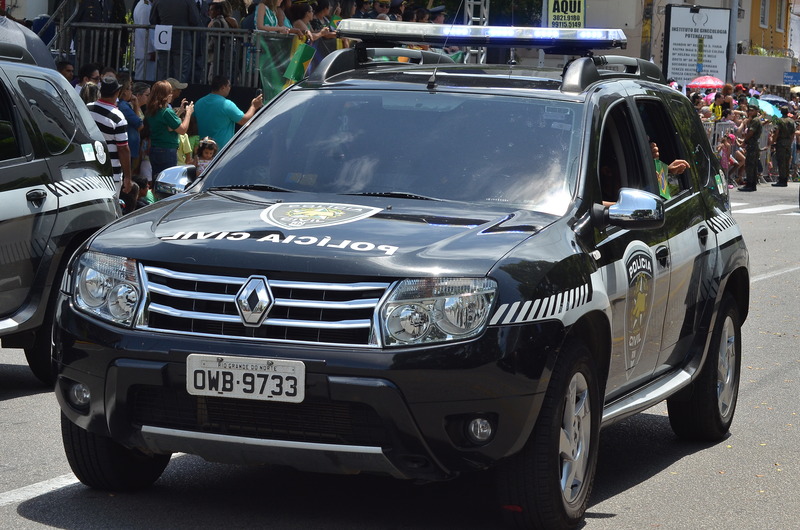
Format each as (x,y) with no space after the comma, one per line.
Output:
(217,116)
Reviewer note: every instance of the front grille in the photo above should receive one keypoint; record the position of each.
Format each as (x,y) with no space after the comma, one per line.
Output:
(312,421)
(303,311)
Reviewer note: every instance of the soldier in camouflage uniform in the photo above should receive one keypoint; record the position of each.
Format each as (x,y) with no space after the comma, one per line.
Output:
(752,152)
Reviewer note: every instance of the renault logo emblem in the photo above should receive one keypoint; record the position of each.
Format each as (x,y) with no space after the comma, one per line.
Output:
(254,300)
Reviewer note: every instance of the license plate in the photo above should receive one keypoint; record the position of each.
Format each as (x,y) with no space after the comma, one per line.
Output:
(245,378)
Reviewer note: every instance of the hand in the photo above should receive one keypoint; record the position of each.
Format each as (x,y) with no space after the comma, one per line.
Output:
(126,185)
(189,107)
(258,101)
(678,166)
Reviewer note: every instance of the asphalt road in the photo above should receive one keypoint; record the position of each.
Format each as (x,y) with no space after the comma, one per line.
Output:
(646,477)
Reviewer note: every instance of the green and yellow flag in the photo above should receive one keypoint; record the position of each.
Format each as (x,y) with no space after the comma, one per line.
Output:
(298,66)
(275,55)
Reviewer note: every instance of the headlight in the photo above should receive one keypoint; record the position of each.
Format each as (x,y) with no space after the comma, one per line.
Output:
(107,287)
(436,310)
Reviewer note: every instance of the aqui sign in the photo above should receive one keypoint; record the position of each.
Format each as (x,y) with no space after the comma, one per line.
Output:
(565,13)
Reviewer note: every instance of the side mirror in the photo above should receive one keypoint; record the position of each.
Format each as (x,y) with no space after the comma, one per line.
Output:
(174,180)
(636,210)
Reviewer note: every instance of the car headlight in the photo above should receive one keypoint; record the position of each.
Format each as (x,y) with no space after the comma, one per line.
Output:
(107,287)
(430,310)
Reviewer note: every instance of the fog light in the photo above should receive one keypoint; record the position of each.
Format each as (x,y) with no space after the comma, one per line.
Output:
(79,395)
(479,430)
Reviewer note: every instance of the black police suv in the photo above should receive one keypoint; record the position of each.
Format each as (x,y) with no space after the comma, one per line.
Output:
(56,189)
(418,269)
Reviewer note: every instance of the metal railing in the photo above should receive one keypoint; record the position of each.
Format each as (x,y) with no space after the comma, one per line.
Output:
(715,130)
(196,54)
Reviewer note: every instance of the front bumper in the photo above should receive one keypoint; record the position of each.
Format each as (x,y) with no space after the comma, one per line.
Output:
(399,412)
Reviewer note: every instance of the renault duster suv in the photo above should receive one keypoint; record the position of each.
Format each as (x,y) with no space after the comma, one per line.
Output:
(486,298)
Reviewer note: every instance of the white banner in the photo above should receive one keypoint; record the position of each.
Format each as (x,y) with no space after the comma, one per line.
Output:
(698,42)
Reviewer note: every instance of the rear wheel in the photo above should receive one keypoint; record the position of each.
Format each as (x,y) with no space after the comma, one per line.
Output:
(547,484)
(103,464)
(704,410)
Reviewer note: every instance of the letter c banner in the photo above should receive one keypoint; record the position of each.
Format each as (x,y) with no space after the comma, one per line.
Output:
(163,37)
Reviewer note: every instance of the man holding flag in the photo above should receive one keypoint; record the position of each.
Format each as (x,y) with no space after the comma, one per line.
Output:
(217,116)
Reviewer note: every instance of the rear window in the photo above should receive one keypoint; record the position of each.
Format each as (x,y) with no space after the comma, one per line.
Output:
(520,152)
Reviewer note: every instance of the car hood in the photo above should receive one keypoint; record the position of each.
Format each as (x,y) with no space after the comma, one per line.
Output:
(332,234)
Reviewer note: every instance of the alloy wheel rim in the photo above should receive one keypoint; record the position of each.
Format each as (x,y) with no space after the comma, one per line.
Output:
(726,362)
(574,439)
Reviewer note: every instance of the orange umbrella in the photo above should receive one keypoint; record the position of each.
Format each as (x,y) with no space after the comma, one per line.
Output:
(706,81)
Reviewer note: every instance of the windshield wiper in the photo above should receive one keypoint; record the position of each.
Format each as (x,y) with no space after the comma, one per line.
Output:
(250,187)
(396,194)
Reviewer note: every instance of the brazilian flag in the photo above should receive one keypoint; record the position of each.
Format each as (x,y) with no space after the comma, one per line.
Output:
(301,59)
(276,54)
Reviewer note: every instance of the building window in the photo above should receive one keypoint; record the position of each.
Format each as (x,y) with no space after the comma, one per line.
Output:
(779,16)
(764,14)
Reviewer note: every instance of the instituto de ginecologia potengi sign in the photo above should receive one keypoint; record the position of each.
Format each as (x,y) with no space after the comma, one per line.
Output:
(695,42)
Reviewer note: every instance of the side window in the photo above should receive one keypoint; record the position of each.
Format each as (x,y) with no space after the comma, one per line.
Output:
(661,135)
(53,116)
(9,144)
(693,136)
(618,165)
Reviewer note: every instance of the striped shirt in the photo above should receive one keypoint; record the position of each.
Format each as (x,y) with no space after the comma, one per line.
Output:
(112,124)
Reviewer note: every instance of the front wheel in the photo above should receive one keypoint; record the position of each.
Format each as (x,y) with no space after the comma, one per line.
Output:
(547,484)
(704,410)
(103,464)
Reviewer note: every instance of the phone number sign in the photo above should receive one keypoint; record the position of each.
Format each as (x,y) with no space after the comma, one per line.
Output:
(565,13)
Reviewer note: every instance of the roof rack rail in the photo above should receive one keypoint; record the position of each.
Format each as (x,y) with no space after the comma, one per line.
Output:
(584,71)
(16,53)
(362,56)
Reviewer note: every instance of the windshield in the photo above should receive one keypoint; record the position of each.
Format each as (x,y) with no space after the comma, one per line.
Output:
(498,150)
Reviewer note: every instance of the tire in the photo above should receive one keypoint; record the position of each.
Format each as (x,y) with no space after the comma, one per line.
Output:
(101,463)
(547,484)
(704,410)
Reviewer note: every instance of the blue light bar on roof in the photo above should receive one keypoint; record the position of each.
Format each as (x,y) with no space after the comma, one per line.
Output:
(381,31)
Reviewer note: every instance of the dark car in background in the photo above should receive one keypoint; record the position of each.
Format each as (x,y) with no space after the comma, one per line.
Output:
(487,299)
(56,189)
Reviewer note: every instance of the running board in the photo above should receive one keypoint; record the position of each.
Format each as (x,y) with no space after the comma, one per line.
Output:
(646,397)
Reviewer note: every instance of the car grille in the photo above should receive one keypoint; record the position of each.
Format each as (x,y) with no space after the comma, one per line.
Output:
(330,312)
(311,421)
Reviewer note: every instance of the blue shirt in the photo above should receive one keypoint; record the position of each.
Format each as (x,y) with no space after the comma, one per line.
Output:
(217,117)
(134,122)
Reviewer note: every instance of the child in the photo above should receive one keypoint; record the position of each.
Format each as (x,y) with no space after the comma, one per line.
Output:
(726,160)
(206,151)
(145,197)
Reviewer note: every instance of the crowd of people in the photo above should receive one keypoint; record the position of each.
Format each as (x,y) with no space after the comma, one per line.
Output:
(149,128)
(311,20)
(747,128)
